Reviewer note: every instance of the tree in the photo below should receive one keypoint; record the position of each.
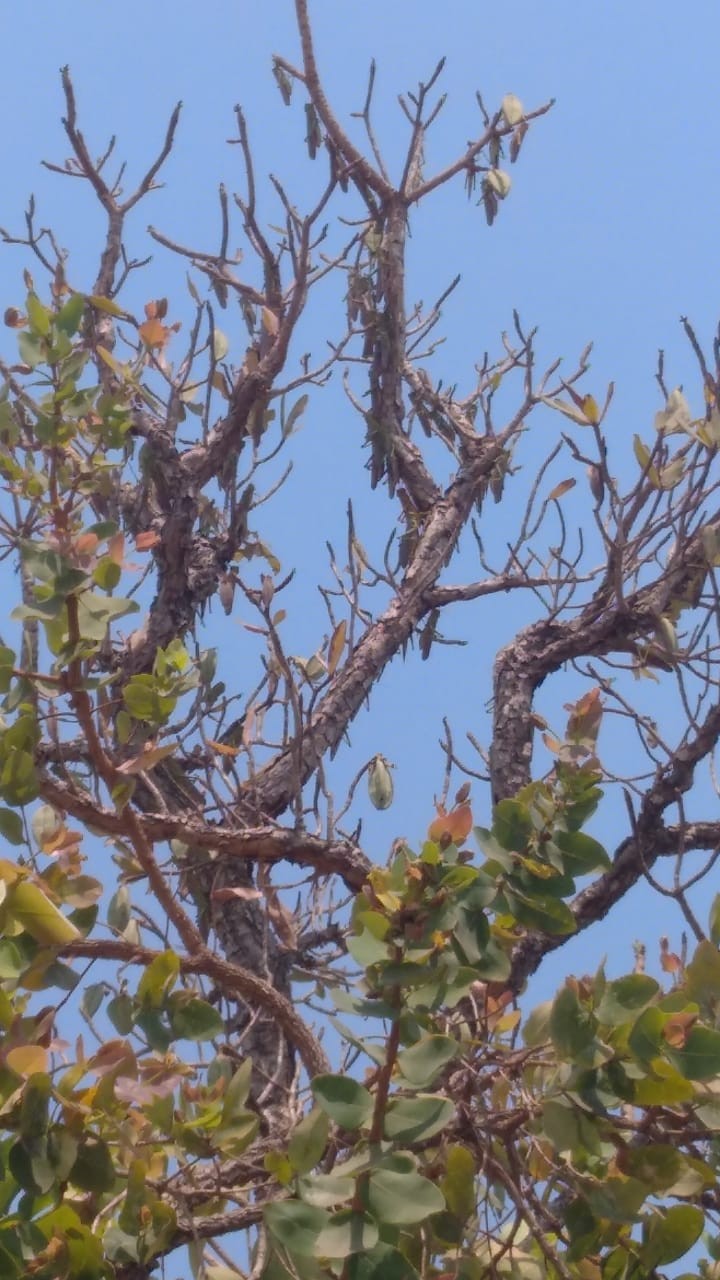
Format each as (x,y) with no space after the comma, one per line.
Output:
(441,1131)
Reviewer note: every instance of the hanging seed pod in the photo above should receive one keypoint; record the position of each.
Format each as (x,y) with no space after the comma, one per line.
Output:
(512,109)
(380,783)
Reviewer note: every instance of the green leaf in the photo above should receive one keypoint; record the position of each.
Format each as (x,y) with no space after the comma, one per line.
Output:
(346,1232)
(194,1019)
(669,1233)
(158,1034)
(236,1094)
(403,1198)
(699,1058)
(702,976)
(645,1038)
(512,825)
(415,1119)
(471,933)
(144,700)
(458,1185)
(93,1169)
(714,920)
(582,853)
(544,913)
(422,1062)
(18,779)
(326,1190)
(381,1263)
(62,1149)
(309,1141)
(69,317)
(366,949)
(39,317)
(618,1199)
(492,848)
(568,1128)
(11,826)
(107,573)
(536,1030)
(348,1103)
(118,915)
(572,1027)
(232,1140)
(658,1165)
(92,998)
(625,998)
(34,1106)
(664,1088)
(159,977)
(295,1225)
(12,962)
(121,1012)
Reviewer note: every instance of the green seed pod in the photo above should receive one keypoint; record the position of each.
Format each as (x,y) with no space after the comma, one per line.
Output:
(380,783)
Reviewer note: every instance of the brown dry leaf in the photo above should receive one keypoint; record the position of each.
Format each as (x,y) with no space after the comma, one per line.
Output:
(249,726)
(145,541)
(157,309)
(585,717)
(61,841)
(252,360)
(563,487)
(154,334)
(229,894)
(669,961)
(147,759)
(282,919)
(86,543)
(116,547)
(677,1028)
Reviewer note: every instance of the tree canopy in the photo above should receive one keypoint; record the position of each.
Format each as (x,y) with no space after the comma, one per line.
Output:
(235,1038)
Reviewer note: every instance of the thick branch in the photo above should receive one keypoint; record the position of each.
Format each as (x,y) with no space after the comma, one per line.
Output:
(232,981)
(260,844)
(272,790)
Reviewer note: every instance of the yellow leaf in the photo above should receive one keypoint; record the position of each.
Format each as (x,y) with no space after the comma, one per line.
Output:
(223,748)
(110,361)
(39,917)
(26,1059)
(590,409)
(337,644)
(105,304)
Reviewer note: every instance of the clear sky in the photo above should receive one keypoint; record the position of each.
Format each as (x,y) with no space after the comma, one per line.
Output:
(609,234)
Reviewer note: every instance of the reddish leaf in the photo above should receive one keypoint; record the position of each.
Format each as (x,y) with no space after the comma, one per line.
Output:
(455,825)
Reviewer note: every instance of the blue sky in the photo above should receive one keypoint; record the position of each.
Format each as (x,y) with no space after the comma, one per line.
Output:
(609,234)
